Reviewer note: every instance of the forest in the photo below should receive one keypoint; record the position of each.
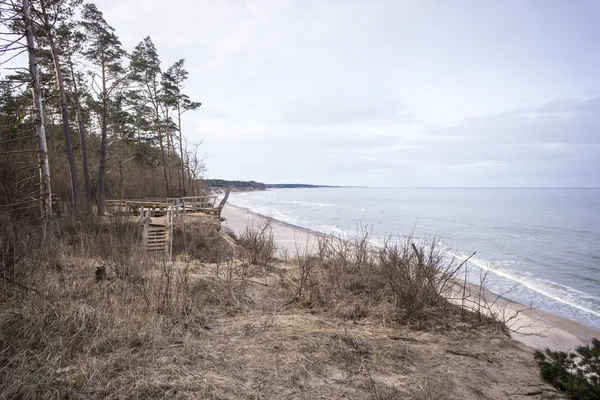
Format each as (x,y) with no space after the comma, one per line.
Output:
(82,119)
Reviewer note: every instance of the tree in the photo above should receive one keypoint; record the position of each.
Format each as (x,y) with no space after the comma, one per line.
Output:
(61,10)
(103,48)
(173,81)
(45,188)
(70,41)
(194,163)
(145,70)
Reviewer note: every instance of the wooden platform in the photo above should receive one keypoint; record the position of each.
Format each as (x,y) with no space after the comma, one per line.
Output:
(156,217)
(181,205)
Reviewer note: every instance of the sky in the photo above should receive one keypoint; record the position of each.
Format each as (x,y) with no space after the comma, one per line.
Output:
(385,93)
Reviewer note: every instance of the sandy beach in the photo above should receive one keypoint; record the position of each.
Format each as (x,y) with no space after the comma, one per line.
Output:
(532,327)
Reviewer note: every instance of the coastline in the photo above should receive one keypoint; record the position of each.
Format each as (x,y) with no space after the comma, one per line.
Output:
(533,327)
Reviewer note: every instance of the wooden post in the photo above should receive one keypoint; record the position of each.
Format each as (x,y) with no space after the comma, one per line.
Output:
(171,237)
(146,227)
(140,224)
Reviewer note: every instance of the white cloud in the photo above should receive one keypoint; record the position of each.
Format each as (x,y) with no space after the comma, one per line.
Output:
(347,91)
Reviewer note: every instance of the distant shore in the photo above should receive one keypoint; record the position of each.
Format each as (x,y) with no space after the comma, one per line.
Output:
(220,186)
(535,328)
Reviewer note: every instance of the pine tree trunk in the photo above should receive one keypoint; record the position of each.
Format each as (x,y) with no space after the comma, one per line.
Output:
(163,156)
(121,181)
(83,140)
(64,112)
(103,145)
(181,149)
(170,147)
(45,188)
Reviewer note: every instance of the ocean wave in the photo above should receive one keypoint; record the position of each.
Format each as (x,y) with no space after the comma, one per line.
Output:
(337,229)
(306,203)
(558,292)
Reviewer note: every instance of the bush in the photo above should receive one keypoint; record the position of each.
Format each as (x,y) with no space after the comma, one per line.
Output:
(201,239)
(258,244)
(577,374)
(409,279)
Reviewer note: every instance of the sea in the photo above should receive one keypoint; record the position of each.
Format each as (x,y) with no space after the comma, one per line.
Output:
(539,247)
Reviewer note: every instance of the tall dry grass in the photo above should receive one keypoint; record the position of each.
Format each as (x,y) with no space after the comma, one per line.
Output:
(406,280)
(55,316)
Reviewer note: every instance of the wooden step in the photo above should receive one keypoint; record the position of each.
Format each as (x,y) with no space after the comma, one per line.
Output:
(156,235)
(153,234)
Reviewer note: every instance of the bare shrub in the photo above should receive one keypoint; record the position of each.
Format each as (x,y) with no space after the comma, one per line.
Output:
(201,239)
(258,243)
(418,274)
(407,280)
(342,272)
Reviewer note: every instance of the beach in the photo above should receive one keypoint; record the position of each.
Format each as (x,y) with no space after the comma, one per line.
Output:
(535,328)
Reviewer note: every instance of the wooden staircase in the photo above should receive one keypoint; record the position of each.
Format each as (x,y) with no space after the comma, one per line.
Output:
(156,232)
(156,237)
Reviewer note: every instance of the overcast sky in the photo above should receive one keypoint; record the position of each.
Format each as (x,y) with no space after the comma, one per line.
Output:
(385,93)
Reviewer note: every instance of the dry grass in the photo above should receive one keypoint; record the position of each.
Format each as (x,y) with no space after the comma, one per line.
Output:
(201,239)
(404,281)
(227,329)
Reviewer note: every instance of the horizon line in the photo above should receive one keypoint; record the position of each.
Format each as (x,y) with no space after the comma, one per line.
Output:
(437,187)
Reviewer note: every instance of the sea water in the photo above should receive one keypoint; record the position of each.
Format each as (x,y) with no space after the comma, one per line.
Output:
(540,247)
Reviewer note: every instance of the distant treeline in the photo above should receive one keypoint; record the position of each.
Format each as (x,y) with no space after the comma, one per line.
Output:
(247,185)
(253,185)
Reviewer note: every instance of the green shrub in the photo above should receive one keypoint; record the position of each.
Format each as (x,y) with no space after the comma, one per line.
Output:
(577,374)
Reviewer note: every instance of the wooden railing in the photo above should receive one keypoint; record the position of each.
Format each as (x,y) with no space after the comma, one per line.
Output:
(181,205)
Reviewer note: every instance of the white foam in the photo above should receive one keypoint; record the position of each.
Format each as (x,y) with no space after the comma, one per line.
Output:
(553,290)
(306,203)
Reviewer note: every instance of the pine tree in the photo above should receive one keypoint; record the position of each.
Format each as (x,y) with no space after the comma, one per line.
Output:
(71,41)
(173,82)
(146,72)
(103,48)
(577,374)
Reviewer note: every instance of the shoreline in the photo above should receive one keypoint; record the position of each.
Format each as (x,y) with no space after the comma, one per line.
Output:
(535,328)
